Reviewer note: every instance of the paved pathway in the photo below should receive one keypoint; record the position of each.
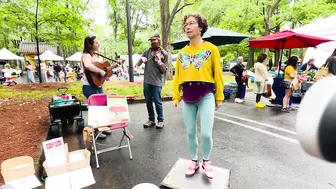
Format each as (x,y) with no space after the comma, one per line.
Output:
(258,145)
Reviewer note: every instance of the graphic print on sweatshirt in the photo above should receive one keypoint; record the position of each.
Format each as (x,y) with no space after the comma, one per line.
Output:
(197,59)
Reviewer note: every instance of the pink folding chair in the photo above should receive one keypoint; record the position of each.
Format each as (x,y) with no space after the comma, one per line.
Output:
(101,100)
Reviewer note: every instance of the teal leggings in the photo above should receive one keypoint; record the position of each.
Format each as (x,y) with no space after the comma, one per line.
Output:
(206,109)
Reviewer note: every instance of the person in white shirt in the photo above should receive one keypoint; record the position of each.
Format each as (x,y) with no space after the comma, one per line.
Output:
(8,75)
(7,72)
(261,78)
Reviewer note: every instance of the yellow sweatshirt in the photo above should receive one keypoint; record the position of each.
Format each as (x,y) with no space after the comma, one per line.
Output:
(199,63)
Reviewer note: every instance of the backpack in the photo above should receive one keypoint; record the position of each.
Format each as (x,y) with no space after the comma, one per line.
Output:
(244,76)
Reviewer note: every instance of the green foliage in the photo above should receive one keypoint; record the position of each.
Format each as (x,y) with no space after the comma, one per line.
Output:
(248,16)
(60,22)
(305,11)
(140,15)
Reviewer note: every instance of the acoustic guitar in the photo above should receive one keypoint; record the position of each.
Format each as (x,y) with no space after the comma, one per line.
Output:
(95,79)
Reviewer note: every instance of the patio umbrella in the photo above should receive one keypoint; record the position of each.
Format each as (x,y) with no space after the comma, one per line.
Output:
(286,40)
(215,36)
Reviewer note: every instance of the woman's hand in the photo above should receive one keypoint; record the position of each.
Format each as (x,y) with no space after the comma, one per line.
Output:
(102,73)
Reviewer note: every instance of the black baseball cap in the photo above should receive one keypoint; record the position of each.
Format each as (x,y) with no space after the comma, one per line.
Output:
(155,36)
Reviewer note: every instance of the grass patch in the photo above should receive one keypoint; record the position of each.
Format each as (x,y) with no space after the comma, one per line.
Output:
(47,90)
(40,91)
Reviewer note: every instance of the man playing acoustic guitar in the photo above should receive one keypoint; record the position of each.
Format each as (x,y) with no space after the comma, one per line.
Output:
(156,63)
(89,57)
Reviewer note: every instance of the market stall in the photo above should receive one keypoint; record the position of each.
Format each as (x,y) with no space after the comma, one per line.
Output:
(284,40)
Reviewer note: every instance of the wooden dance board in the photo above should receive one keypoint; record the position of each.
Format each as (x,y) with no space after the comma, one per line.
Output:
(176,178)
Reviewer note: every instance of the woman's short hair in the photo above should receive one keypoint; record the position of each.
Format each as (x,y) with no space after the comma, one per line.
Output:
(201,21)
(262,57)
(88,44)
(292,61)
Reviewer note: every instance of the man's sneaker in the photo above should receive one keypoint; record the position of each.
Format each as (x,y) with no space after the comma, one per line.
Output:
(208,169)
(149,124)
(160,125)
(192,168)
(108,132)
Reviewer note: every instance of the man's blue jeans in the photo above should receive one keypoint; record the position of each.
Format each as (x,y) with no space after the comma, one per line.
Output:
(153,93)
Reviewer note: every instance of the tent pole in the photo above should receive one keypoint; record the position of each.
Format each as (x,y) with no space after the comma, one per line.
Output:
(283,46)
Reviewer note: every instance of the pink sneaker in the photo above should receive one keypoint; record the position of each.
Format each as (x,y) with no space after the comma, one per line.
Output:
(208,169)
(192,168)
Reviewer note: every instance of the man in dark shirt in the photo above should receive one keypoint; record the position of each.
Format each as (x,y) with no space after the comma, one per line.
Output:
(156,63)
(57,70)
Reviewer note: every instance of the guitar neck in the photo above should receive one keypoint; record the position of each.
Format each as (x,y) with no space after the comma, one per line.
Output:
(111,67)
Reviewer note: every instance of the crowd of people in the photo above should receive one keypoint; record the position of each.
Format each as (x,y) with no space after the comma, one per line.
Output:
(292,70)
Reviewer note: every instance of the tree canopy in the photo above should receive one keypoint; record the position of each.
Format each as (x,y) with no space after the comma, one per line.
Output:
(63,22)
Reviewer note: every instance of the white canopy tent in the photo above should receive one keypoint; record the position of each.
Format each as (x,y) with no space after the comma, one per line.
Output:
(135,58)
(48,55)
(321,28)
(75,57)
(7,55)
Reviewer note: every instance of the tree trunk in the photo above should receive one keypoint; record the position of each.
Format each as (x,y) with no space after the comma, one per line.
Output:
(277,57)
(301,53)
(267,23)
(166,22)
(165,34)
(270,9)
(115,27)
(37,43)
(6,42)
(250,60)
(289,53)
(166,46)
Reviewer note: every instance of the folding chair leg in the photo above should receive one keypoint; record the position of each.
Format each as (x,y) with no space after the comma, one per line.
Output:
(128,143)
(95,148)
(122,138)
(129,148)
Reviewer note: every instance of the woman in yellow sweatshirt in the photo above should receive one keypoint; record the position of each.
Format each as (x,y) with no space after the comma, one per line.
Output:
(198,74)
